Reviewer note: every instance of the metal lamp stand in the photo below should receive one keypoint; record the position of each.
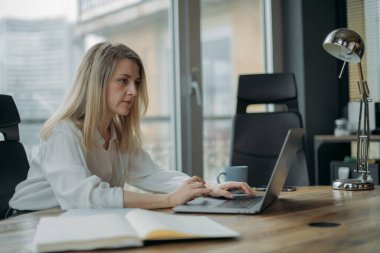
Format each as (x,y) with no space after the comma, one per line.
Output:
(363,140)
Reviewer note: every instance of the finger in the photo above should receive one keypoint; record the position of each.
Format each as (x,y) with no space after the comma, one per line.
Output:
(243,186)
(208,192)
(226,194)
(190,180)
(195,185)
(199,179)
(201,191)
(230,185)
(194,179)
(248,189)
(238,185)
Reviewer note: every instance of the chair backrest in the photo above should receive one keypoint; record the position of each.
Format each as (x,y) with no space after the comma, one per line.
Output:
(14,163)
(276,88)
(258,137)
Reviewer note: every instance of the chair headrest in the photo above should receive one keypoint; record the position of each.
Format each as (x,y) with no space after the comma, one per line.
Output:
(264,88)
(9,115)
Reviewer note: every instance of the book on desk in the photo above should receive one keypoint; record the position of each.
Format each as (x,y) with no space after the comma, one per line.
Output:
(116,230)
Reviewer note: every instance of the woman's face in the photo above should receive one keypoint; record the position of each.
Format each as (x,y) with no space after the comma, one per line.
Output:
(122,87)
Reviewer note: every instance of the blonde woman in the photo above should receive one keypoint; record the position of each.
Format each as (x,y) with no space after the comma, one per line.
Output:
(91,146)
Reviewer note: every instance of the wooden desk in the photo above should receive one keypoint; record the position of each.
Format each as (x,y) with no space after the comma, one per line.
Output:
(283,227)
(319,140)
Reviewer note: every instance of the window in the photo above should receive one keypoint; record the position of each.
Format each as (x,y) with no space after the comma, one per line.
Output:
(40,54)
(43,41)
(36,60)
(232,44)
(144,26)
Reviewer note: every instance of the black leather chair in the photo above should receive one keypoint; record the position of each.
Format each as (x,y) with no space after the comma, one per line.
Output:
(14,163)
(258,137)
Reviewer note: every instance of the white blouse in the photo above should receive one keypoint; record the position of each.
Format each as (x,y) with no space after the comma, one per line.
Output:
(63,174)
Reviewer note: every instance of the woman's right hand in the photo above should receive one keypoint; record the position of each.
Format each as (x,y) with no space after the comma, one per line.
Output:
(189,190)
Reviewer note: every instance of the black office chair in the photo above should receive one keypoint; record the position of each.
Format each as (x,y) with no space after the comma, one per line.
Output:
(14,163)
(258,137)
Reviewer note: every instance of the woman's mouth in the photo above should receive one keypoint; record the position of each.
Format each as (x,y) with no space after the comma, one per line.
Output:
(127,102)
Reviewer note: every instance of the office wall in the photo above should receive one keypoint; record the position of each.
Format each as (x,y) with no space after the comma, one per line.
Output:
(305,25)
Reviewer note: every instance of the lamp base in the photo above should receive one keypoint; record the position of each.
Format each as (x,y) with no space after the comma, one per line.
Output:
(353,185)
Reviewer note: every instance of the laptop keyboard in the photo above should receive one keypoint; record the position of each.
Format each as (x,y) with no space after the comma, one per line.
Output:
(241,202)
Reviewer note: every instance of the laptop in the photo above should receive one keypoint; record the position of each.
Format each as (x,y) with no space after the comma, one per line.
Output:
(253,205)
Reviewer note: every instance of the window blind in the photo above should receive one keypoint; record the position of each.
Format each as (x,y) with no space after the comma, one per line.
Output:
(363,18)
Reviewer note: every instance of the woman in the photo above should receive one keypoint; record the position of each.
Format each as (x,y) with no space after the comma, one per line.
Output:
(91,146)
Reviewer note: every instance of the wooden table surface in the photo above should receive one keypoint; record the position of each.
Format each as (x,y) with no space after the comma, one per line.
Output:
(283,227)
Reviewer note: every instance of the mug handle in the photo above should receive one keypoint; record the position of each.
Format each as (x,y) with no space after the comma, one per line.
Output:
(219,174)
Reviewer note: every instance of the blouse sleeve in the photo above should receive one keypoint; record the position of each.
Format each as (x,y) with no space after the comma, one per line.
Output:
(146,174)
(73,184)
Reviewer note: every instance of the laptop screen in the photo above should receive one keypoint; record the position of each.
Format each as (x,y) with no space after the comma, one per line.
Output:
(292,144)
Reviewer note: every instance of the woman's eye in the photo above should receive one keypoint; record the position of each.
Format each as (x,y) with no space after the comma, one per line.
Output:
(124,81)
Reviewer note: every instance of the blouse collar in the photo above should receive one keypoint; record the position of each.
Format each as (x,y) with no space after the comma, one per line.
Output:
(99,139)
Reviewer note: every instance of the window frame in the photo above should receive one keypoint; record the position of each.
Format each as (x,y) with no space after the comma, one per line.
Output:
(187,87)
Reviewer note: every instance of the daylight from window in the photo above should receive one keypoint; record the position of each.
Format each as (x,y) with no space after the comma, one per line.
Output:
(43,41)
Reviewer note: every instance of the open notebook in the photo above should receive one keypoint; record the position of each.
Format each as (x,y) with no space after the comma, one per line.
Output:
(115,230)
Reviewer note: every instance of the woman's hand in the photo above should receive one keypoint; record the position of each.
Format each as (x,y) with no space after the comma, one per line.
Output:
(223,190)
(189,190)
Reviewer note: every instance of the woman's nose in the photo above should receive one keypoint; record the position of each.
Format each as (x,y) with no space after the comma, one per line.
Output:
(132,89)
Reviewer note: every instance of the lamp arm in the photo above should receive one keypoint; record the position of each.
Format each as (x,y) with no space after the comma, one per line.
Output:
(362,84)
(363,134)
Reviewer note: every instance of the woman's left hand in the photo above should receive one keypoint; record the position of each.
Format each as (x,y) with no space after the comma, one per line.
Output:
(224,189)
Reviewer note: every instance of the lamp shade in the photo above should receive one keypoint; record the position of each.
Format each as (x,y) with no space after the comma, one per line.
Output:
(345,44)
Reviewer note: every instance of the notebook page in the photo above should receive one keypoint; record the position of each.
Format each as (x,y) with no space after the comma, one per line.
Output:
(152,225)
(95,211)
(84,233)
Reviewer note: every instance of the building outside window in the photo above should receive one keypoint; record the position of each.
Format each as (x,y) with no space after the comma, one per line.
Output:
(232,44)
(40,54)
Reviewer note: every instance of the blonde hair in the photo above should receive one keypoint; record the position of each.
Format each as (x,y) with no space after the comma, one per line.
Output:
(85,104)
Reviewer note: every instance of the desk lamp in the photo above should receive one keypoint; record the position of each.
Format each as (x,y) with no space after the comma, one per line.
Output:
(348,46)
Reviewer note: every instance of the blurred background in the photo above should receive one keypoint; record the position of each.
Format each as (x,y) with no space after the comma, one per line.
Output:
(43,41)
